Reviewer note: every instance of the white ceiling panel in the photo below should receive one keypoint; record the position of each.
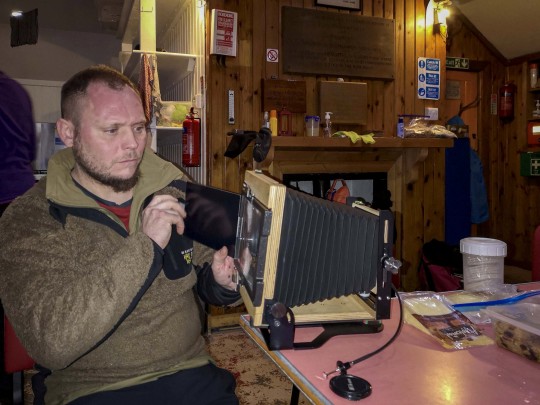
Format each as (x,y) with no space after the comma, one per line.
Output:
(511,26)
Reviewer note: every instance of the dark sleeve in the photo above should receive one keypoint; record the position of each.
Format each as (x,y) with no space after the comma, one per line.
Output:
(210,291)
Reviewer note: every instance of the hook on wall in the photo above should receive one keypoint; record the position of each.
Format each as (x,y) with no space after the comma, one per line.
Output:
(220,60)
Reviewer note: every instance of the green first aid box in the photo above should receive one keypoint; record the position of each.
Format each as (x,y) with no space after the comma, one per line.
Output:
(530,164)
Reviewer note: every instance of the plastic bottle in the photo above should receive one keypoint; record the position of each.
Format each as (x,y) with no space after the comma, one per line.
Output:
(266,120)
(273,122)
(327,130)
(534,75)
(400,127)
(312,125)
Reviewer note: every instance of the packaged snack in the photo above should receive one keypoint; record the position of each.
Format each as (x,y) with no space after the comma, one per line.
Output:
(431,314)
(517,328)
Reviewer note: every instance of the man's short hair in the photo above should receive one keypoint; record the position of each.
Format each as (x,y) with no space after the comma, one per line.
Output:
(76,87)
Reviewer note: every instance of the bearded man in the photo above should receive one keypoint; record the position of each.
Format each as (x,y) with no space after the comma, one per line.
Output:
(83,275)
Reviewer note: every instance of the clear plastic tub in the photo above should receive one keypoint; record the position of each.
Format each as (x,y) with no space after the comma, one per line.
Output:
(517,328)
(483,263)
(312,125)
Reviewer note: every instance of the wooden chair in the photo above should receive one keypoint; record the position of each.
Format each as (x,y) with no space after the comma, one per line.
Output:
(16,360)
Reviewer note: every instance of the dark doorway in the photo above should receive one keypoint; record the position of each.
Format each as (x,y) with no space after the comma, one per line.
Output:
(371,185)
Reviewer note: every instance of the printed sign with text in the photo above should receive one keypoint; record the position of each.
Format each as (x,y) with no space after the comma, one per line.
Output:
(429,78)
(224,26)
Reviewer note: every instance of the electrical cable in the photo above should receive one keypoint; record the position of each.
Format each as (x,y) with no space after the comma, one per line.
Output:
(342,367)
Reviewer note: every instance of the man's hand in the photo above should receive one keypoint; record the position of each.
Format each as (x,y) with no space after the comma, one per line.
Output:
(160,215)
(223,269)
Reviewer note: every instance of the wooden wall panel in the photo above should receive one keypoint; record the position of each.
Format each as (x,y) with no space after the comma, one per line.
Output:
(259,23)
(513,199)
(216,111)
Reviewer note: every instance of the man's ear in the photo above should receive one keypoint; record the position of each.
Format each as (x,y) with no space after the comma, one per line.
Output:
(66,131)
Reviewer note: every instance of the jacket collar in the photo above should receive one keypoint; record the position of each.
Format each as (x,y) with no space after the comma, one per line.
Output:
(156,173)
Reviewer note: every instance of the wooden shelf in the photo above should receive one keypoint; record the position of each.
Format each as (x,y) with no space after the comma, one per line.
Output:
(305,142)
(172,67)
(340,155)
(159,128)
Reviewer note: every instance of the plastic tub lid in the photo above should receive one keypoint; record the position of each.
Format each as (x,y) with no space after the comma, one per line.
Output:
(312,117)
(482,247)
(523,315)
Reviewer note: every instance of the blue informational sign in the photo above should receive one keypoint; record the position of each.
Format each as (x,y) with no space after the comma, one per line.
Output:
(433,65)
(429,78)
(432,93)
(432,79)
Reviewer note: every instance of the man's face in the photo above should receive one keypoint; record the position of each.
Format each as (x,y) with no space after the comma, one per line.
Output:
(111,137)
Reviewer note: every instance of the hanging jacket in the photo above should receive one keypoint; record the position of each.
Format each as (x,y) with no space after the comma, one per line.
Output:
(479,201)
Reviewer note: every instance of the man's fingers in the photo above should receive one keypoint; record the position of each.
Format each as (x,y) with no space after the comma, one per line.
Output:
(167,203)
(158,199)
(180,226)
(220,255)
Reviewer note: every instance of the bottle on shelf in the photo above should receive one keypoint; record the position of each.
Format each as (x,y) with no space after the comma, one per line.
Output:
(536,113)
(312,125)
(400,127)
(327,130)
(266,120)
(273,122)
(534,75)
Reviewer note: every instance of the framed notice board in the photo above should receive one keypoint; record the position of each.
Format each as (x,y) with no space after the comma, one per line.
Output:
(340,44)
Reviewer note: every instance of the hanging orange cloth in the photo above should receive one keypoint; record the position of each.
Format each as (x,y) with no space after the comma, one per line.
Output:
(146,81)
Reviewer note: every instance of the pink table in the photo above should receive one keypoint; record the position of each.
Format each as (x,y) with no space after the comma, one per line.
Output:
(414,369)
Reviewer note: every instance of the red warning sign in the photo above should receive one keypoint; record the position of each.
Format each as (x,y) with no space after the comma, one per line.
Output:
(272,55)
(224,25)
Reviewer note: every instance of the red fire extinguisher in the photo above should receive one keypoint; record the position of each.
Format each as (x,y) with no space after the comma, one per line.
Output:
(191,140)
(507,94)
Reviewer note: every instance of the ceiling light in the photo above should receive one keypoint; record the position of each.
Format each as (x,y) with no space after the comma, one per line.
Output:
(24,28)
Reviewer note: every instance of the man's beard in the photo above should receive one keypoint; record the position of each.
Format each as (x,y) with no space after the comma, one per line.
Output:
(118,185)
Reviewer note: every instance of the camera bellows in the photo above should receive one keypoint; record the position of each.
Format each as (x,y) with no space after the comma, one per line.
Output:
(326,250)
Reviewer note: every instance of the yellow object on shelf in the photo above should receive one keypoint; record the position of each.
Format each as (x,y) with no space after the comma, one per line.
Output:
(273,122)
(354,137)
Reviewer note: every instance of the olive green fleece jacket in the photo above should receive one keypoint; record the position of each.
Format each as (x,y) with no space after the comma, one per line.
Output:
(67,284)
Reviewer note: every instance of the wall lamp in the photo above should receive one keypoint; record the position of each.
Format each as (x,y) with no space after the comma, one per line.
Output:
(440,12)
(436,13)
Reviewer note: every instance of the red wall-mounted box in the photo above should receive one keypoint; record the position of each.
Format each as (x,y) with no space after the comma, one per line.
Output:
(533,133)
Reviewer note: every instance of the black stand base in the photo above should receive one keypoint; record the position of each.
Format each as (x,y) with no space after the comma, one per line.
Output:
(351,387)
(280,339)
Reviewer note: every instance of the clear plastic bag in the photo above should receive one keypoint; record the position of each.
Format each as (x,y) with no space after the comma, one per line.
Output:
(472,303)
(432,314)
(476,315)
(422,128)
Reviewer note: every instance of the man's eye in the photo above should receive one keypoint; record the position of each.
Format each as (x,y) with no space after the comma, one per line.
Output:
(111,131)
(140,129)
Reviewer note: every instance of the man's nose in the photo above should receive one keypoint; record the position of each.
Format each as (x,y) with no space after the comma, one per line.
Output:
(131,139)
